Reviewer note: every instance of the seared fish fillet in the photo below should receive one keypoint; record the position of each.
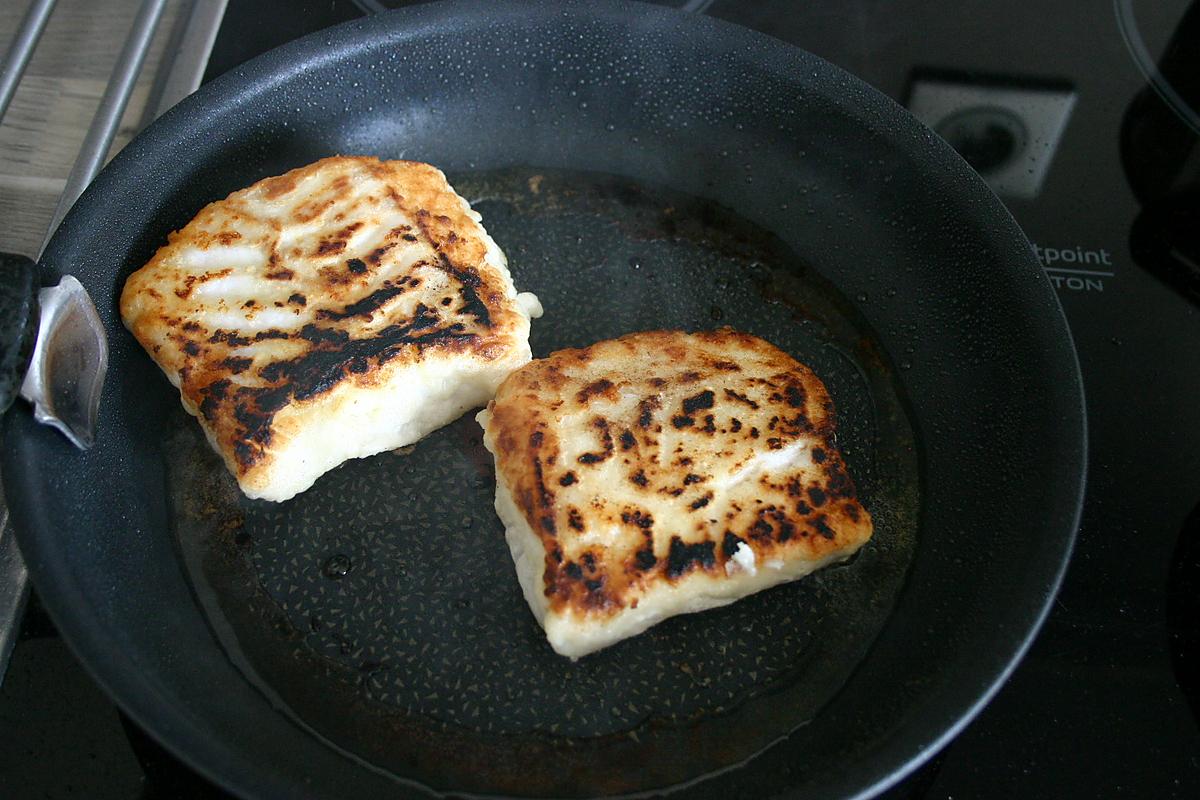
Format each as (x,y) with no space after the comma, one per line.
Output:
(663,473)
(343,309)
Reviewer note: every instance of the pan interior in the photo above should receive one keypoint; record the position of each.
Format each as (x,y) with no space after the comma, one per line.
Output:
(381,610)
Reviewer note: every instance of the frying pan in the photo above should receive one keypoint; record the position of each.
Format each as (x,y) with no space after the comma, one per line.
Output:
(642,169)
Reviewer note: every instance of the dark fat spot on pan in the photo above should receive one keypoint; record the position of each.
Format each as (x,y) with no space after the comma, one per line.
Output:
(816,495)
(357,266)
(271,333)
(640,478)
(691,478)
(702,502)
(818,455)
(298,299)
(280,275)
(573,570)
(682,422)
(627,440)
(191,348)
(567,479)
(681,558)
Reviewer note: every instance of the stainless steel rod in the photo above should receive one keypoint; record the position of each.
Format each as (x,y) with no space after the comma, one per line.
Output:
(190,58)
(112,106)
(17,57)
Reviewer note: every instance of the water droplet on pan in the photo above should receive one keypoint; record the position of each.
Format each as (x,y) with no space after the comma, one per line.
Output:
(336,567)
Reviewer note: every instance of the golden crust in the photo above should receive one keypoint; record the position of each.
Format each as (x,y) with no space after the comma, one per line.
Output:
(337,274)
(647,459)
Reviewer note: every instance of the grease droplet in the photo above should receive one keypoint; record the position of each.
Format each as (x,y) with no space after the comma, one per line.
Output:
(336,567)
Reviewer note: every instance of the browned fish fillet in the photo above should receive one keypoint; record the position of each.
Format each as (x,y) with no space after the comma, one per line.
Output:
(663,473)
(343,309)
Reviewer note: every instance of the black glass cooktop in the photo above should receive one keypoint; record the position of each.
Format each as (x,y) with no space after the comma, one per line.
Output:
(1084,119)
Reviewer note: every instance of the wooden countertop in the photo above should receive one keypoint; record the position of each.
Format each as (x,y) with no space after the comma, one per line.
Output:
(44,127)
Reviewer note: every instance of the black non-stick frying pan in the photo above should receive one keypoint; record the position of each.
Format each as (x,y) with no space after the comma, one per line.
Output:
(642,169)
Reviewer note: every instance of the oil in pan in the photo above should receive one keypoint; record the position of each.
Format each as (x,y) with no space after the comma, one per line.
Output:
(381,608)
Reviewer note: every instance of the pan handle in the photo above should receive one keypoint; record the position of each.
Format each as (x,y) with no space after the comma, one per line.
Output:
(53,350)
(18,323)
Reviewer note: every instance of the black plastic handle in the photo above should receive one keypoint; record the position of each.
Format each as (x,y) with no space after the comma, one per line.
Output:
(18,322)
